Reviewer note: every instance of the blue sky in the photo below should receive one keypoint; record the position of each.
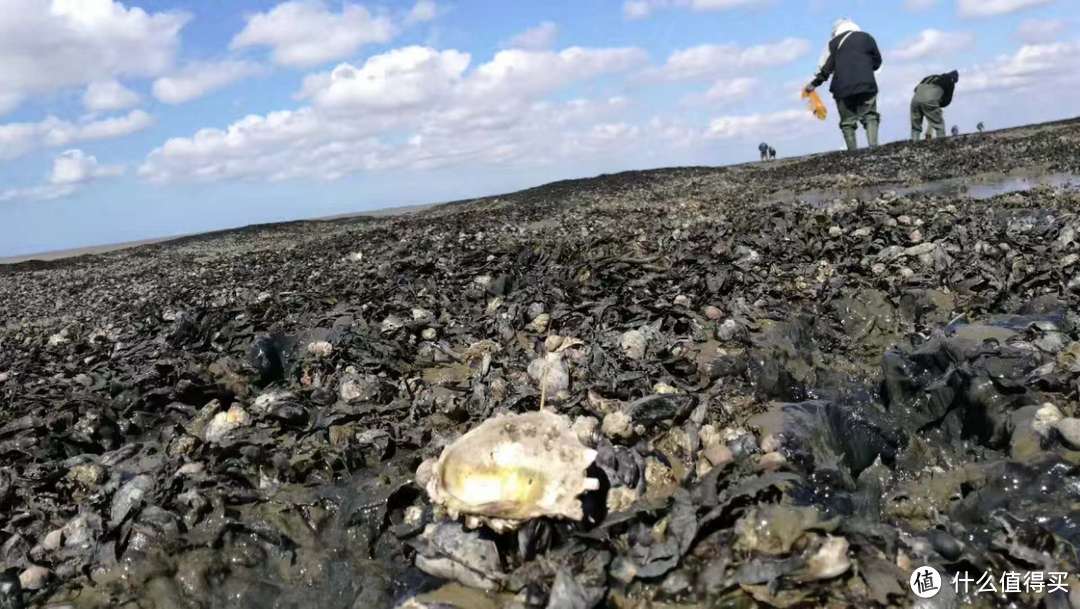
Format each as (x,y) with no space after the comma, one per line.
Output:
(129,120)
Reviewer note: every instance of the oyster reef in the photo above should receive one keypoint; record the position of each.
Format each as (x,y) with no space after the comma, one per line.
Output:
(846,380)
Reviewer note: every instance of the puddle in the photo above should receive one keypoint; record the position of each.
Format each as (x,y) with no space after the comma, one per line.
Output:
(1008,185)
(974,188)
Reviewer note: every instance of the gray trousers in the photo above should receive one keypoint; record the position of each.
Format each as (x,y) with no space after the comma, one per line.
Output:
(855,110)
(926,105)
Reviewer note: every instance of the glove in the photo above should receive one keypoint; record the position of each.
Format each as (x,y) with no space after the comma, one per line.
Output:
(809,88)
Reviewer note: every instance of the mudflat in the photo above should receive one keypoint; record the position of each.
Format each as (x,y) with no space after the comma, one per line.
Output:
(791,384)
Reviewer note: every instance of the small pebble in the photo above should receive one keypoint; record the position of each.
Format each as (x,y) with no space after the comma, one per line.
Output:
(1046,417)
(89,475)
(586,429)
(1069,428)
(619,498)
(676,583)
(191,469)
(634,344)
(320,348)
(727,330)
(831,560)
(34,577)
(771,461)
(225,422)
(540,323)
(665,388)
(414,514)
(617,426)
(770,444)
(53,540)
(719,455)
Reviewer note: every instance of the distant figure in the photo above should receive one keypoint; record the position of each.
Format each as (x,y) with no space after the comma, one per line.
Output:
(955,130)
(932,95)
(763,148)
(772,153)
(981,127)
(850,59)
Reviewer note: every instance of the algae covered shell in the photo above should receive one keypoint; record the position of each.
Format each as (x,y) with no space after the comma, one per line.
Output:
(513,468)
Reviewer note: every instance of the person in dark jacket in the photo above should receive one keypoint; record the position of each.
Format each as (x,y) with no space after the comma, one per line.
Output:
(763,148)
(955,130)
(850,59)
(932,95)
(772,153)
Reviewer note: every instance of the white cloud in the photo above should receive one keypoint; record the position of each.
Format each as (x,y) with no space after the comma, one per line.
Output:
(108,95)
(599,139)
(305,33)
(639,9)
(413,108)
(993,8)
(413,78)
(731,90)
(919,5)
(1050,67)
(541,37)
(400,79)
(757,125)
(724,92)
(201,78)
(516,72)
(711,60)
(43,192)
(423,11)
(71,170)
(76,167)
(53,45)
(933,43)
(307,144)
(63,133)
(674,133)
(16,139)
(1041,30)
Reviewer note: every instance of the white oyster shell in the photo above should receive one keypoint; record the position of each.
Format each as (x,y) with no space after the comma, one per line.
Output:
(513,468)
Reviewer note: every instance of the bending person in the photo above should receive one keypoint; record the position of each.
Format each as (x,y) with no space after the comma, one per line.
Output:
(932,95)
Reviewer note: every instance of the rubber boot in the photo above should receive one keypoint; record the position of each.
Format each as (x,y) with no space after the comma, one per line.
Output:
(872,134)
(849,139)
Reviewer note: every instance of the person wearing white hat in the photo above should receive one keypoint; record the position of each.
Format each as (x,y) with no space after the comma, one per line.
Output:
(850,59)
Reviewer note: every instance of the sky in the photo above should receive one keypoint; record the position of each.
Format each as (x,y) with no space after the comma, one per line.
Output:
(130,120)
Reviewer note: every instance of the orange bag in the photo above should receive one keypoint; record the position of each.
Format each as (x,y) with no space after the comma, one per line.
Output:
(816,106)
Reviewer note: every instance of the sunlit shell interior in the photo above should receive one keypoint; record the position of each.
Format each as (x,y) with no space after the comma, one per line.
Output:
(515,467)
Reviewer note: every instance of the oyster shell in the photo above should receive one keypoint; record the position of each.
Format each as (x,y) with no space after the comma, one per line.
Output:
(513,468)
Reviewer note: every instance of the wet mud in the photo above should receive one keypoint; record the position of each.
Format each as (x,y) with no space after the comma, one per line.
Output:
(761,386)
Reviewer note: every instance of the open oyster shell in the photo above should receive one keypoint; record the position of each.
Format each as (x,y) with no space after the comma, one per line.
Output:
(513,468)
